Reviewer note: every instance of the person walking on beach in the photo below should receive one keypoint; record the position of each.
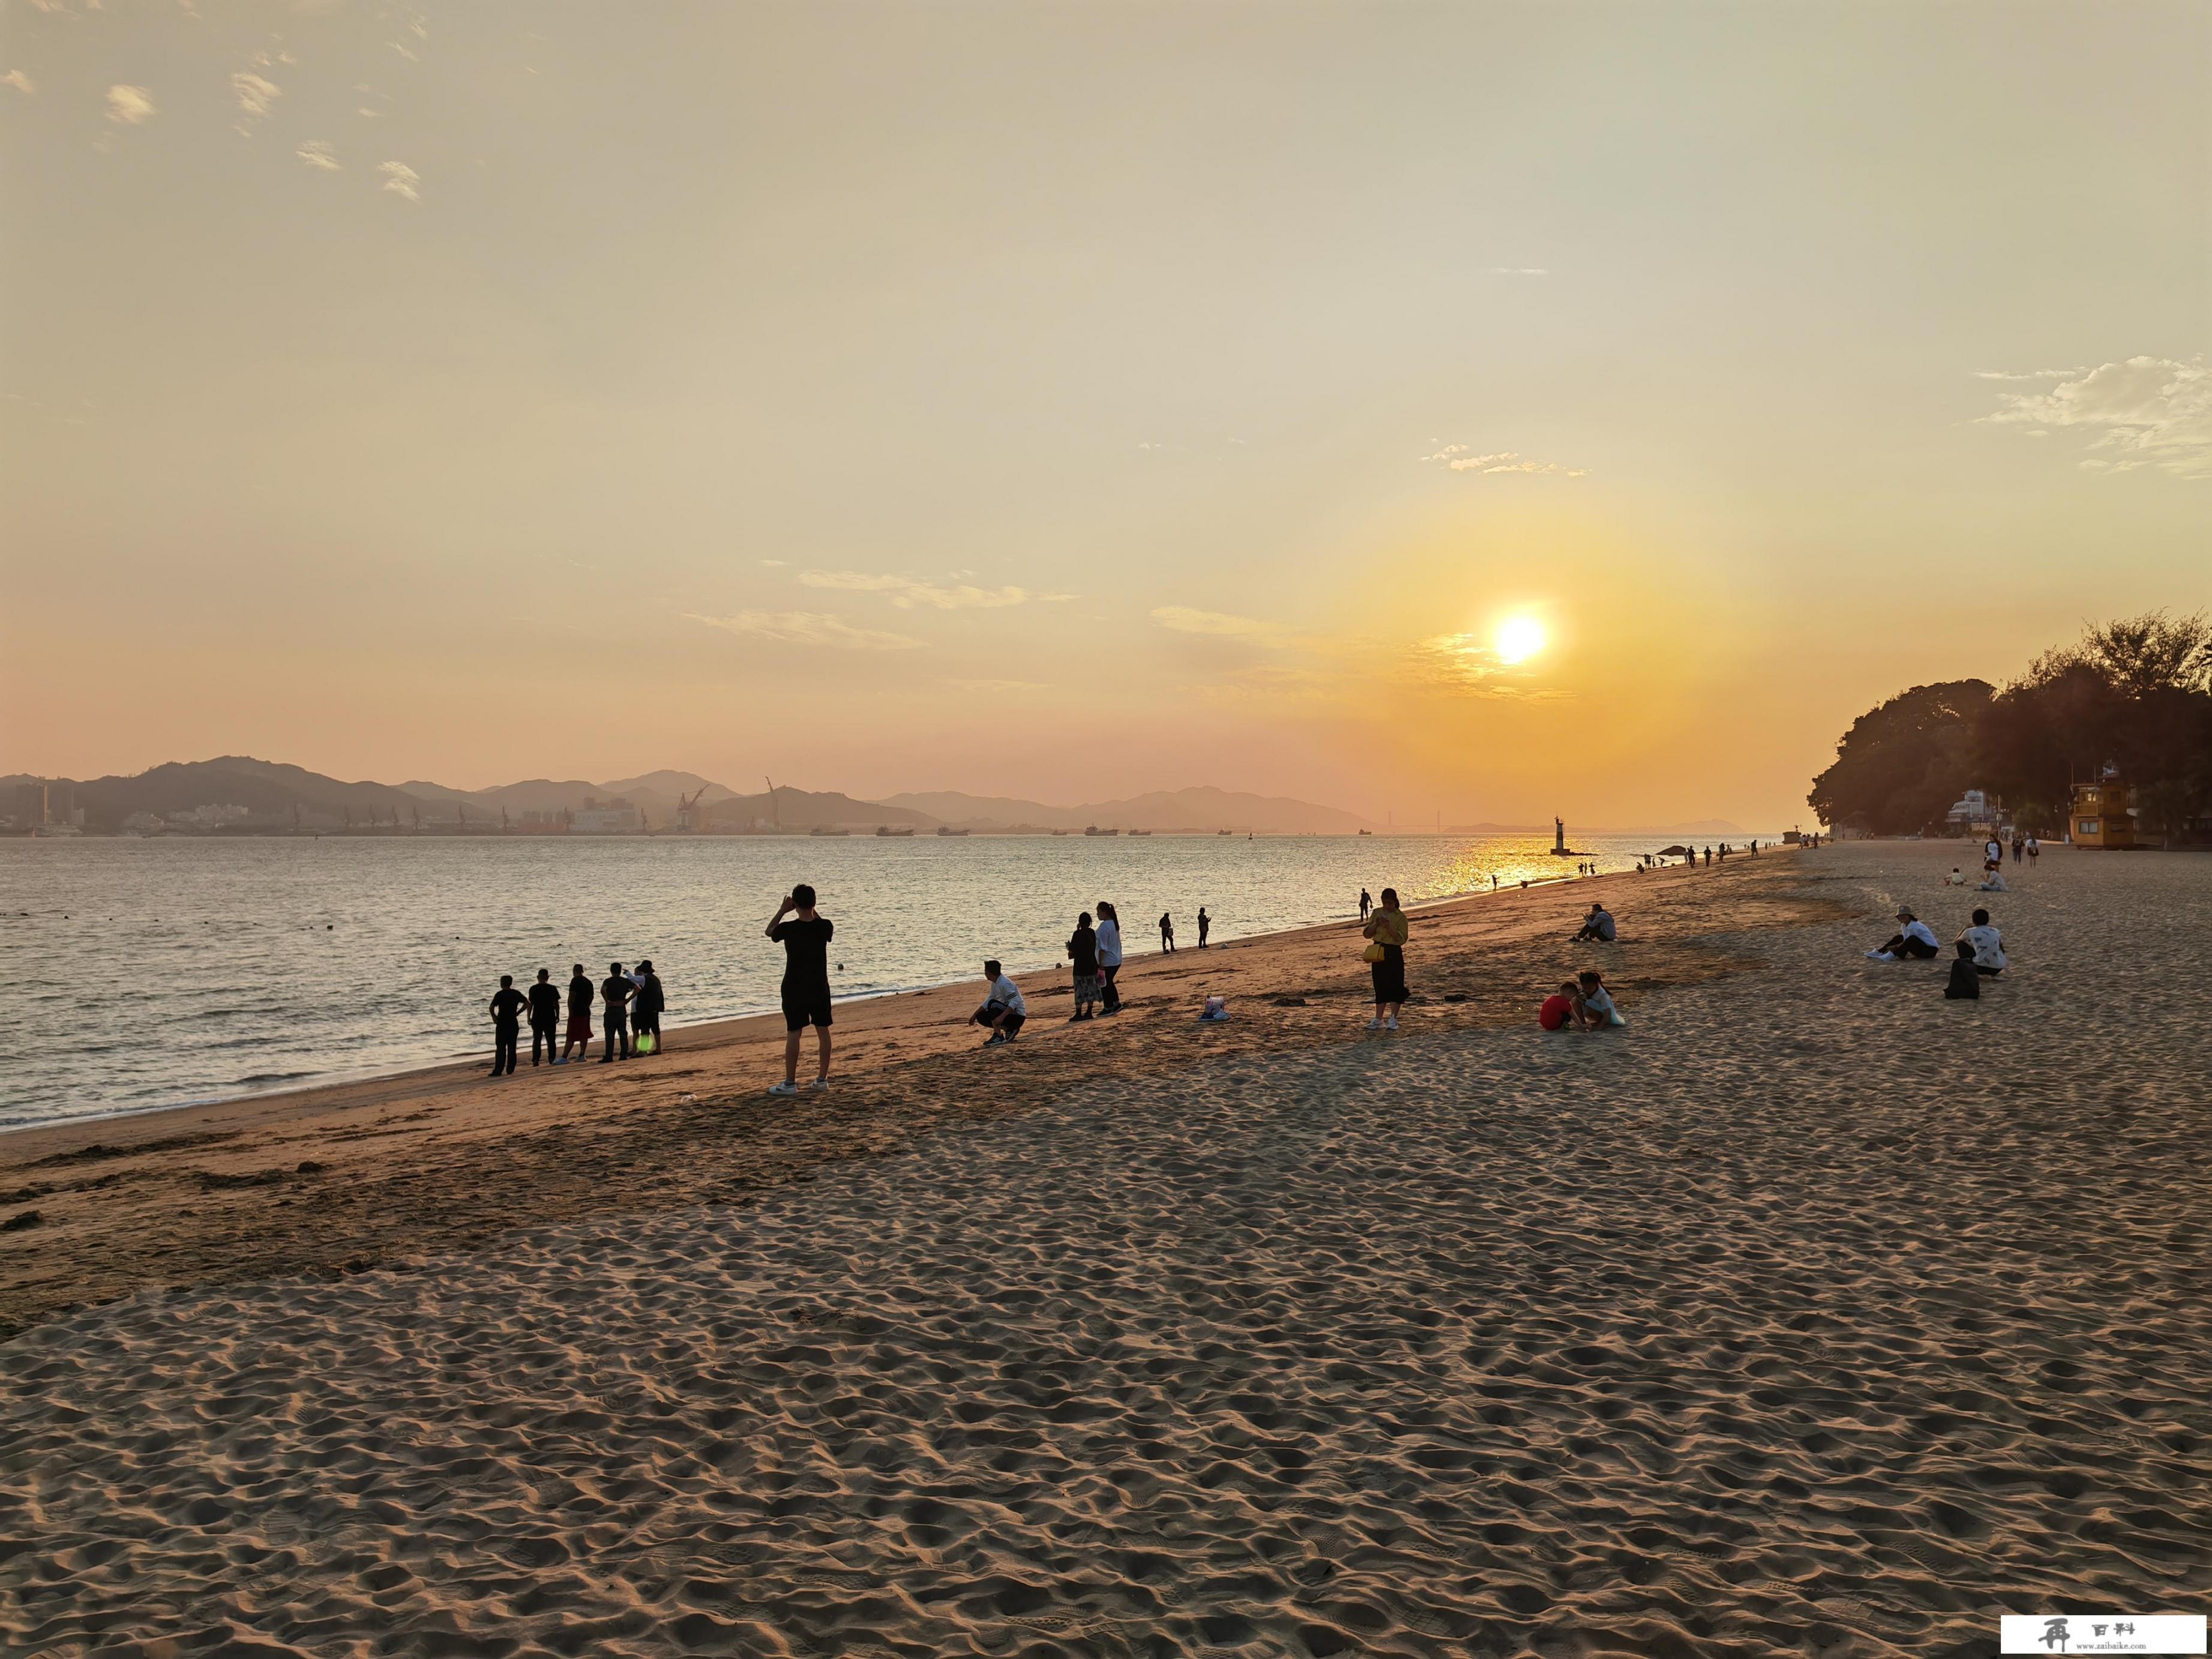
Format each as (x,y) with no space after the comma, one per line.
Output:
(2019,845)
(805,940)
(1109,957)
(1709,858)
(2034,850)
(580,1014)
(1367,903)
(1082,951)
(1004,1010)
(544,1015)
(645,1006)
(1166,931)
(1387,930)
(506,1005)
(615,993)
(1204,927)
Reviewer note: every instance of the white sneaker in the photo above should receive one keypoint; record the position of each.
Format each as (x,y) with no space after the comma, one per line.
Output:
(819,1083)
(783,1089)
(1389,1024)
(1374,1025)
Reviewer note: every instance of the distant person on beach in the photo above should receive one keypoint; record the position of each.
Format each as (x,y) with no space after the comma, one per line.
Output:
(1709,858)
(1204,927)
(1598,925)
(580,1014)
(1083,952)
(1912,939)
(1596,1012)
(1992,851)
(1956,878)
(805,994)
(1167,932)
(544,1016)
(1493,886)
(615,992)
(506,1006)
(2034,849)
(1965,981)
(1389,930)
(2019,845)
(1557,1011)
(1367,903)
(1004,1010)
(1987,945)
(645,1006)
(1109,957)
(1993,880)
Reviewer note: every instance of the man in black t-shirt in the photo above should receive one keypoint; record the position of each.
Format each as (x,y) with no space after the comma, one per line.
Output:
(544,1015)
(614,998)
(579,1036)
(805,940)
(507,1004)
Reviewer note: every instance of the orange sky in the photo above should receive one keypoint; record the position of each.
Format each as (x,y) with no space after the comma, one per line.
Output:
(1069,402)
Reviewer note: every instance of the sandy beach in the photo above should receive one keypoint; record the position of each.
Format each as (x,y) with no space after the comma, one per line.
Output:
(1809,1313)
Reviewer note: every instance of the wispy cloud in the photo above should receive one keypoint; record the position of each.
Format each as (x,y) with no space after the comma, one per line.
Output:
(1516,270)
(993,688)
(400,179)
(1182,619)
(129,107)
(808,627)
(255,94)
(20,81)
(909,594)
(1463,663)
(1461,458)
(317,154)
(2149,411)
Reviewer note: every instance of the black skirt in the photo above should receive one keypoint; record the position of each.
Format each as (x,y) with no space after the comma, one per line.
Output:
(1389,975)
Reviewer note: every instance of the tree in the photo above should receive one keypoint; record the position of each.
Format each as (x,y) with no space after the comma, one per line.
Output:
(1902,765)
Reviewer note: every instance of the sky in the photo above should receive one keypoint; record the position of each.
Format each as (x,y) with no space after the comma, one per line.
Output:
(1069,401)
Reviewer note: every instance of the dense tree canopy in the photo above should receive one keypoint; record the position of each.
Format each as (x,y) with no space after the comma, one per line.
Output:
(2136,694)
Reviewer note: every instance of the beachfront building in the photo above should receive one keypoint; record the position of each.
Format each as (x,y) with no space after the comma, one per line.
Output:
(2102,814)
(1975,814)
(605,818)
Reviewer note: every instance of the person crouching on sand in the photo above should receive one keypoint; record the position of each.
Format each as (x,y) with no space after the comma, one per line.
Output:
(1560,1009)
(1595,1010)
(1388,929)
(1004,1011)
(805,940)
(1597,927)
(1082,951)
(1109,957)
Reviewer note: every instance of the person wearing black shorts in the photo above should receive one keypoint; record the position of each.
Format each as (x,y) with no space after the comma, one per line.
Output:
(506,1006)
(805,940)
(544,1015)
(615,993)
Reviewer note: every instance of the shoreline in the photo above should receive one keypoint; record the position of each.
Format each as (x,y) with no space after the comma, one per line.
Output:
(713,1027)
(339,1177)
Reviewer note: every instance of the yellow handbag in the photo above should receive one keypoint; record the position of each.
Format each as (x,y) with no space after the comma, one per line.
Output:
(1374,952)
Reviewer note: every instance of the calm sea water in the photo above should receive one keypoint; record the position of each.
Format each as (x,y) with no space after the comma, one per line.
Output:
(154,973)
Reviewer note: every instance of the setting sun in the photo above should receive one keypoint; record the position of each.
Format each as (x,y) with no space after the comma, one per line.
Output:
(1519,638)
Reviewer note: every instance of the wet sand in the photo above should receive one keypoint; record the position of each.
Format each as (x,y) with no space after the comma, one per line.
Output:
(1810,1313)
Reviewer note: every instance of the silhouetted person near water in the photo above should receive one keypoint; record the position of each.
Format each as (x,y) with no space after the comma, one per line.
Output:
(506,1005)
(1167,932)
(1110,955)
(544,1015)
(615,993)
(579,1016)
(1367,903)
(805,940)
(645,1008)
(1204,927)
(1083,953)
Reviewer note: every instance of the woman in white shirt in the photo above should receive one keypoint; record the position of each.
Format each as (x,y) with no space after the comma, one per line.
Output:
(1109,955)
(1912,939)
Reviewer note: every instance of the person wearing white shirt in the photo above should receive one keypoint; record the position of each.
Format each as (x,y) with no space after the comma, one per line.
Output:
(1004,1011)
(1110,955)
(1989,945)
(1912,939)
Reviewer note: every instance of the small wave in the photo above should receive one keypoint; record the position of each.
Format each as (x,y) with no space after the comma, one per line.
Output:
(259,1078)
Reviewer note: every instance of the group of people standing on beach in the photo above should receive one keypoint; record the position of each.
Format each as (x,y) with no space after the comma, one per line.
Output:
(632,1002)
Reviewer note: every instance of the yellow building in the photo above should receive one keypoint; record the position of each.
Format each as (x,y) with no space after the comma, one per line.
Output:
(2100,814)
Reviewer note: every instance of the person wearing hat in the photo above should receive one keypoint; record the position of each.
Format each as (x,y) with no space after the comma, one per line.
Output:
(1913,940)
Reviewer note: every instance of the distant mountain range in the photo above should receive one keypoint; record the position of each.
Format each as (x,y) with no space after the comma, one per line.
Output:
(238,793)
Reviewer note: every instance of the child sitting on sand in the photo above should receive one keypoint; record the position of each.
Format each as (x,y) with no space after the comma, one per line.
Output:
(1597,1012)
(1956,878)
(1965,981)
(1556,1012)
(1004,1012)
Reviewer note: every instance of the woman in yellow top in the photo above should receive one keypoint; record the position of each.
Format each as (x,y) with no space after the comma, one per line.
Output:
(1389,928)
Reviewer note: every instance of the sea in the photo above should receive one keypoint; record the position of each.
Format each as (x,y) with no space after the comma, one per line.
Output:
(170,971)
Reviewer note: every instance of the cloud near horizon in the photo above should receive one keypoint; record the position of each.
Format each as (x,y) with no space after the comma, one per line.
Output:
(1182,619)
(2157,408)
(909,594)
(1458,458)
(1462,663)
(807,628)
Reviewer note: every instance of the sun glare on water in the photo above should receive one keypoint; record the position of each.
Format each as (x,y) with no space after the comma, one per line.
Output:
(1519,638)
